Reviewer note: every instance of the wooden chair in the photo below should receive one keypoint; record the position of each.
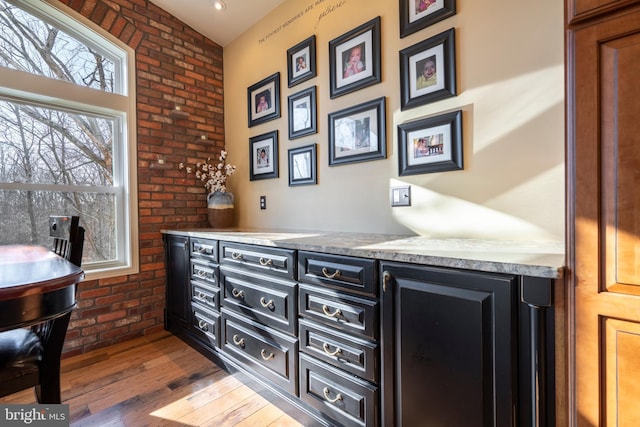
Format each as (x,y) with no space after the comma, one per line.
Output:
(30,357)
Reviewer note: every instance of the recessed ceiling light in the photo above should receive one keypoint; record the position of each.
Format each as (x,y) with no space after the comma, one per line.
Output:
(218,4)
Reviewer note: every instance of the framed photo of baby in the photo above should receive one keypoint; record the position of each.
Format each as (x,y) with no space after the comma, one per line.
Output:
(433,144)
(301,61)
(354,59)
(263,156)
(263,100)
(418,14)
(428,70)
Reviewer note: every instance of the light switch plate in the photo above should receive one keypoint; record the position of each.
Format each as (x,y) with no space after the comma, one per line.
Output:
(401,196)
(263,202)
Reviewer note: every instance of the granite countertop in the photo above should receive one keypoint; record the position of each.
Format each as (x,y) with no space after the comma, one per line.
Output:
(536,259)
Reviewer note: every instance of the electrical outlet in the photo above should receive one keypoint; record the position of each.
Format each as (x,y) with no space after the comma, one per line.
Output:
(263,202)
(401,196)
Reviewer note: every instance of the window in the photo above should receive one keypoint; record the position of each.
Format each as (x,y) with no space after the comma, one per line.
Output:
(67,134)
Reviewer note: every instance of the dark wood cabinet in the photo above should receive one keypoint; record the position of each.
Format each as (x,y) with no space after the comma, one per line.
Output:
(449,347)
(352,341)
(177,310)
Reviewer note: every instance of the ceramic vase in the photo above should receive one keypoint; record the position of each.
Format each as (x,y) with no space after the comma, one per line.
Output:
(221,209)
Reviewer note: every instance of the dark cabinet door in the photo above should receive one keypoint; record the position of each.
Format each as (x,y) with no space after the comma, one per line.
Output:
(177,310)
(449,346)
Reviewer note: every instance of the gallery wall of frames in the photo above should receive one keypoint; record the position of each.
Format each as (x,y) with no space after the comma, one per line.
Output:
(358,133)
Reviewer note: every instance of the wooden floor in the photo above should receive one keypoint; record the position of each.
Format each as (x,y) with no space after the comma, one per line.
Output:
(157,380)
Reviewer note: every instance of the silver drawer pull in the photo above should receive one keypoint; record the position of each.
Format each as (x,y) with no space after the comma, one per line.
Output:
(330,276)
(327,350)
(266,356)
(326,311)
(236,255)
(201,273)
(203,325)
(202,297)
(329,399)
(266,262)
(201,250)
(236,293)
(238,341)
(266,304)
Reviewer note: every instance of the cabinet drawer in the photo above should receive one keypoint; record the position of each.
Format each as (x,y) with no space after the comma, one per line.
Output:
(204,271)
(279,262)
(269,300)
(357,356)
(265,351)
(340,272)
(208,296)
(204,249)
(345,312)
(206,324)
(338,395)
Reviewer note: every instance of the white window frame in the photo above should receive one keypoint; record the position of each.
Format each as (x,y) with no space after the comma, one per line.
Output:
(121,107)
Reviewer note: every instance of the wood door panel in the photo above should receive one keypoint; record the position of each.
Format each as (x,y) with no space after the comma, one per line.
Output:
(622,355)
(604,153)
(621,162)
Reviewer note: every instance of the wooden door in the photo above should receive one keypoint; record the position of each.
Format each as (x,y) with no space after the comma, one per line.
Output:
(604,206)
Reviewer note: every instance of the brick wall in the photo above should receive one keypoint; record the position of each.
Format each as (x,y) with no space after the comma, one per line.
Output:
(174,66)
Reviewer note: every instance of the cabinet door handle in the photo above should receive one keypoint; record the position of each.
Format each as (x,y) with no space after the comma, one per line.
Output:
(236,293)
(238,341)
(330,276)
(266,356)
(328,397)
(236,255)
(386,277)
(266,262)
(266,304)
(203,325)
(326,311)
(327,350)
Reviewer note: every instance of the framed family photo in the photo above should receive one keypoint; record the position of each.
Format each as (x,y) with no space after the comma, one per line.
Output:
(263,100)
(302,166)
(358,134)
(430,145)
(418,14)
(263,156)
(301,61)
(428,70)
(302,113)
(354,59)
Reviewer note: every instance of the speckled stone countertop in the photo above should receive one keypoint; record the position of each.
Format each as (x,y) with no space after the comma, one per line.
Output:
(536,259)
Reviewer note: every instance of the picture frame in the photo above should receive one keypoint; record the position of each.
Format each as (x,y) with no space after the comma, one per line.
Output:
(302,113)
(354,59)
(263,156)
(430,145)
(301,61)
(428,70)
(263,100)
(358,133)
(416,15)
(302,166)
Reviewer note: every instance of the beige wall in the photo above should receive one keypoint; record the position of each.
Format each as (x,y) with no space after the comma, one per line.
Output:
(510,87)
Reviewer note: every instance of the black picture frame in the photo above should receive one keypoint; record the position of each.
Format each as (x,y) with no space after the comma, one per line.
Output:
(301,61)
(302,113)
(302,166)
(430,145)
(436,53)
(358,133)
(364,72)
(414,16)
(263,100)
(263,156)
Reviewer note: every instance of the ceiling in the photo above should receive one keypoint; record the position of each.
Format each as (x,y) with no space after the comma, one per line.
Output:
(220,26)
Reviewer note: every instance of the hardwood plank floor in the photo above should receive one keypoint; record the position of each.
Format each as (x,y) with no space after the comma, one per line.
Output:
(157,380)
